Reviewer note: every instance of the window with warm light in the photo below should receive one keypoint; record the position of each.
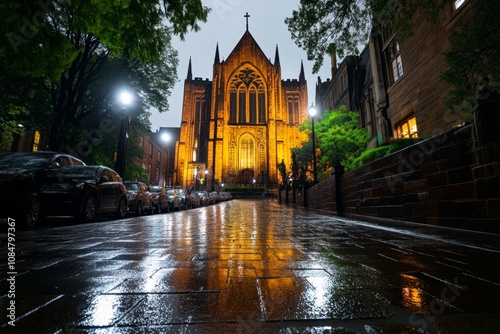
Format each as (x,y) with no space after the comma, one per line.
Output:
(247,153)
(408,129)
(36,141)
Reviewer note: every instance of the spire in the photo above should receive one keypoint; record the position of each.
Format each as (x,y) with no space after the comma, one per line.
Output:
(277,57)
(190,73)
(217,60)
(302,77)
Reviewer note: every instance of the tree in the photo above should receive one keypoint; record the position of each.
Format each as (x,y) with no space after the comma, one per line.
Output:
(340,139)
(64,44)
(474,53)
(324,26)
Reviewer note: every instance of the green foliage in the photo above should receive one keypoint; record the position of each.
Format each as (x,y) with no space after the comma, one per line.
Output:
(61,47)
(341,138)
(474,53)
(320,27)
(373,154)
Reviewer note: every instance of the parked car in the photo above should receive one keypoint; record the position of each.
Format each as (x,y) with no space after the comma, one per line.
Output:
(85,192)
(160,199)
(139,198)
(184,198)
(173,200)
(215,197)
(204,200)
(225,196)
(196,200)
(22,175)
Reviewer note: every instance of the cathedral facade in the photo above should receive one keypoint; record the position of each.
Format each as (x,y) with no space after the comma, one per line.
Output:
(238,127)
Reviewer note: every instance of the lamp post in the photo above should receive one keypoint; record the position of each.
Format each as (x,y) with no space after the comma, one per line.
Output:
(165,137)
(312,113)
(125,99)
(206,179)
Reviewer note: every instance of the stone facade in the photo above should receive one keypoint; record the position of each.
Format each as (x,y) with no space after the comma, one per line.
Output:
(451,179)
(238,126)
(396,85)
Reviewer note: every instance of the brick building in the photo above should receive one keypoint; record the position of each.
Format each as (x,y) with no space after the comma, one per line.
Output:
(396,85)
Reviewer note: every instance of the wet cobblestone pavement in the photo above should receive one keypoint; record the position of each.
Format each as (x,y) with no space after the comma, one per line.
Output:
(250,267)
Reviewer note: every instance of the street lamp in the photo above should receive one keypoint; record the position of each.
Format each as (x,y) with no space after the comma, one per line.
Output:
(206,179)
(165,137)
(312,113)
(125,99)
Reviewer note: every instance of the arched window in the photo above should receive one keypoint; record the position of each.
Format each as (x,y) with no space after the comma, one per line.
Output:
(247,98)
(293,109)
(247,152)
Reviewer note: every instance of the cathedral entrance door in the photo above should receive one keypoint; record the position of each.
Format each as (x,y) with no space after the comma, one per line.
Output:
(246,177)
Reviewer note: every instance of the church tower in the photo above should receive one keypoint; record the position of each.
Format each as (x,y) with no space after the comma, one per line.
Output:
(239,126)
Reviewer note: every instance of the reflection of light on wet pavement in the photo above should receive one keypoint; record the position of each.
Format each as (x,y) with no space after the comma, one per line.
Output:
(318,294)
(412,298)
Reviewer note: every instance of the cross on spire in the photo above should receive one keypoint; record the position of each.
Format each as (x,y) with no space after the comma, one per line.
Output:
(246,16)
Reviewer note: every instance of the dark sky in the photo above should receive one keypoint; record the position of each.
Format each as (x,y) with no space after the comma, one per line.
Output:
(226,25)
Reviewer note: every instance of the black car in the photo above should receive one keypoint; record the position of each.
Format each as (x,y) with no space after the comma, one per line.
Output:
(139,198)
(160,199)
(22,175)
(84,192)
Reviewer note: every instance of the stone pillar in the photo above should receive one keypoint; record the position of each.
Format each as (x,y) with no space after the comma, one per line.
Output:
(486,124)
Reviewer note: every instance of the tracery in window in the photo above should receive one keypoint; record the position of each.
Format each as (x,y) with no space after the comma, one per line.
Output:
(247,98)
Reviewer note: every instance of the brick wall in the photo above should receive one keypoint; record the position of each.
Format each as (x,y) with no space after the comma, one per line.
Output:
(445,180)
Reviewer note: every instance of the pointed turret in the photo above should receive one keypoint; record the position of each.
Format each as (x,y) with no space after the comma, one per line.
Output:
(302,76)
(190,73)
(277,57)
(217,59)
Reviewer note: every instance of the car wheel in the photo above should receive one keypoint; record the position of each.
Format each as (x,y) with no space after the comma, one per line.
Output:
(31,215)
(122,209)
(139,209)
(89,208)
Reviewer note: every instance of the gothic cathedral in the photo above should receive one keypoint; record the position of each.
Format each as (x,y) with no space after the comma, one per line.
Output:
(237,128)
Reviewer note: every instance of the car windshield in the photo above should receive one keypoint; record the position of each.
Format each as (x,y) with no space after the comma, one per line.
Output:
(181,192)
(87,172)
(25,160)
(171,192)
(132,186)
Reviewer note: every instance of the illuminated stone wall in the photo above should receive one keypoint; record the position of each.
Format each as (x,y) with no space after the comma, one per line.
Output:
(250,113)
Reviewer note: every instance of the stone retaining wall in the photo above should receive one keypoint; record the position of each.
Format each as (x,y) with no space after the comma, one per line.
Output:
(445,180)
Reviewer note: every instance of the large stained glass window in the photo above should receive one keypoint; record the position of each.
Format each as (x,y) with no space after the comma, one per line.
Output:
(247,98)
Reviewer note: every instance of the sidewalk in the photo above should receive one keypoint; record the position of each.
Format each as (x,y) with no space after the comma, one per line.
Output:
(250,266)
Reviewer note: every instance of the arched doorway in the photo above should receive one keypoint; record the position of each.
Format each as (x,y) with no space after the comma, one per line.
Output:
(246,177)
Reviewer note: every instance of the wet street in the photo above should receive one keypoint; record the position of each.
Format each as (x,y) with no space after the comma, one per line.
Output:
(246,266)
